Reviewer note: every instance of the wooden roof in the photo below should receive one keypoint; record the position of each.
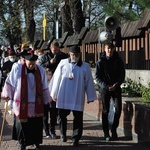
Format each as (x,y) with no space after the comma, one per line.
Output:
(83,32)
(76,39)
(63,38)
(91,37)
(46,44)
(40,43)
(135,28)
(35,44)
(72,40)
(128,30)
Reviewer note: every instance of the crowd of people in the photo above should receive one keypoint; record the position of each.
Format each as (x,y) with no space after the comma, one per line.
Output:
(45,87)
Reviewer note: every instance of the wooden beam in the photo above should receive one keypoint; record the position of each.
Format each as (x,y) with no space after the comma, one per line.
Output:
(146,46)
(130,45)
(134,44)
(138,44)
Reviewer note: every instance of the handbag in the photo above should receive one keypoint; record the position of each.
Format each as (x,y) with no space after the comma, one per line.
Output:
(111,112)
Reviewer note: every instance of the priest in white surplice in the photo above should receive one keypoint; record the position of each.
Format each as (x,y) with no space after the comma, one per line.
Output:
(27,87)
(72,79)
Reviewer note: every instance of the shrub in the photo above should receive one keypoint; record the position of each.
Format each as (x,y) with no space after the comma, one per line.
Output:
(145,92)
(132,88)
(136,89)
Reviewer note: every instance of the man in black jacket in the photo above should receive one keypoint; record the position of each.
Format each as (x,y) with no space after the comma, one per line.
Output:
(50,60)
(110,74)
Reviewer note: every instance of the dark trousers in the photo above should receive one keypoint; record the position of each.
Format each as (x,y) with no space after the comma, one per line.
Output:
(28,133)
(52,113)
(45,119)
(77,123)
(116,96)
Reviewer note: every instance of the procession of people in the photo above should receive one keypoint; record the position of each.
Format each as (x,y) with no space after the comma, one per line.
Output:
(44,88)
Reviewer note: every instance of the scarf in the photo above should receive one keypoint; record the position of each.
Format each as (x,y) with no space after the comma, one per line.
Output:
(23,115)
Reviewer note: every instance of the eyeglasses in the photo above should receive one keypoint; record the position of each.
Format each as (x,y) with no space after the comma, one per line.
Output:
(49,74)
(75,54)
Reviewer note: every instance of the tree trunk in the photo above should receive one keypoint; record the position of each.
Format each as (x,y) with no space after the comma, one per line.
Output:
(66,18)
(28,7)
(77,15)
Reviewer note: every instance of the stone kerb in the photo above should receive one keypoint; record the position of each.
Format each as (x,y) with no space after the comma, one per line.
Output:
(134,120)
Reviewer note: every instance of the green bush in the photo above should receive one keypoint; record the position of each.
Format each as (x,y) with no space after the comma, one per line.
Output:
(145,92)
(136,89)
(131,88)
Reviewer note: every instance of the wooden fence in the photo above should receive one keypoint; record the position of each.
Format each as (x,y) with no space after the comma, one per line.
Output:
(135,49)
(135,52)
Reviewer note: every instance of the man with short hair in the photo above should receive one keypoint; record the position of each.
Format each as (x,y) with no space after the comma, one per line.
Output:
(71,80)
(27,88)
(110,74)
(50,60)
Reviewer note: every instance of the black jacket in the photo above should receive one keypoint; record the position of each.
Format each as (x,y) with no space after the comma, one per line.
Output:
(45,60)
(109,71)
(6,68)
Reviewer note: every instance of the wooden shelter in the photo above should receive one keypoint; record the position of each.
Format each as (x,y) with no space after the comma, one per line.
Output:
(134,49)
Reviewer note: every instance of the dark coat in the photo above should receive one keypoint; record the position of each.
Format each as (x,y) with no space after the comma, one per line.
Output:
(45,60)
(109,71)
(6,68)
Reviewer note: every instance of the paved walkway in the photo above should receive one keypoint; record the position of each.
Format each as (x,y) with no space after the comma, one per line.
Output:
(92,137)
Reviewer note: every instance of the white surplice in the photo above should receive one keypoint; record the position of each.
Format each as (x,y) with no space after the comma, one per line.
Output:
(70,93)
(12,88)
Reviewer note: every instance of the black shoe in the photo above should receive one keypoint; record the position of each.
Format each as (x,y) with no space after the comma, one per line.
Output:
(22,147)
(63,138)
(53,135)
(37,146)
(114,136)
(107,137)
(75,144)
